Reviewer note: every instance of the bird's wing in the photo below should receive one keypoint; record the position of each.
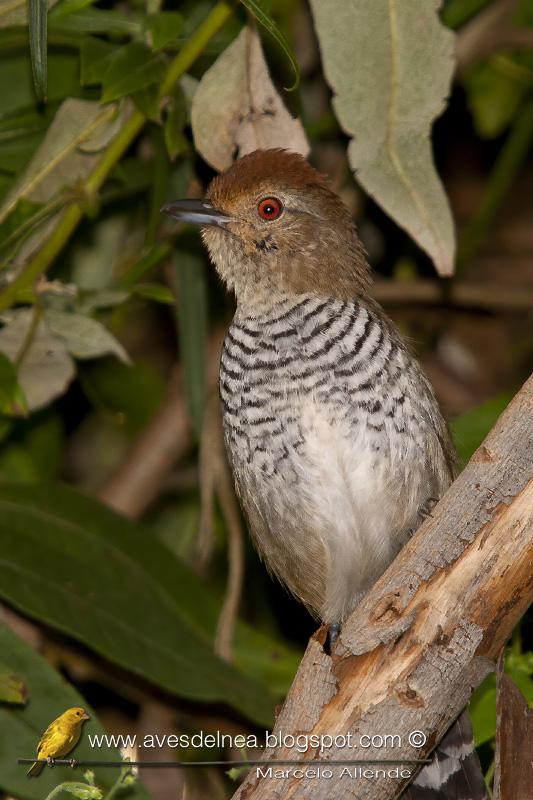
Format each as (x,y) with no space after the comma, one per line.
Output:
(47,741)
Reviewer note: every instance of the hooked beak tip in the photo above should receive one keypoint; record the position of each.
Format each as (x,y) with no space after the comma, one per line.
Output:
(196,212)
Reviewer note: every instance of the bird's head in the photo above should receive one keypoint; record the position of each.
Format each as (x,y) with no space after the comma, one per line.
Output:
(75,716)
(273,226)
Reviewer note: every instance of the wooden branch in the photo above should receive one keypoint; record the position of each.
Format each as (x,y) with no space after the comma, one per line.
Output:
(428,632)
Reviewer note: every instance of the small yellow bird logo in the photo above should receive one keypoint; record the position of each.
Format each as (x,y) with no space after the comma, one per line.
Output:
(60,737)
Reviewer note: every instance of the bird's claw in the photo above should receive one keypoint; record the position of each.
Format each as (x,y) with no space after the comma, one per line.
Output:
(73,763)
(333,635)
(50,761)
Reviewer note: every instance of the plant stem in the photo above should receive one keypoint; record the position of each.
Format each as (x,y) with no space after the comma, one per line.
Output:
(66,787)
(72,216)
(29,337)
(503,174)
(489,775)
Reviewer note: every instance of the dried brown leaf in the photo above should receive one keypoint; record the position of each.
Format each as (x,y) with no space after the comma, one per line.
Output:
(237,108)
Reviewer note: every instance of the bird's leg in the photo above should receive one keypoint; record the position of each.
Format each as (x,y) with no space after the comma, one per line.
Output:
(426,510)
(333,635)
(73,763)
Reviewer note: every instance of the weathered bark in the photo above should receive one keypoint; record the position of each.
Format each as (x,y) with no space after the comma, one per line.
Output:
(429,631)
(513,776)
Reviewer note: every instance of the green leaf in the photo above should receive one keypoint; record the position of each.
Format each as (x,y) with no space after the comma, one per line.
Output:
(482,710)
(12,399)
(148,102)
(84,337)
(95,58)
(456,12)
(20,727)
(97,577)
(12,688)
(470,428)
(493,99)
(58,161)
(82,791)
(191,310)
(255,8)
(390,66)
(131,68)
(95,20)
(155,292)
(164,28)
(38,18)
(45,368)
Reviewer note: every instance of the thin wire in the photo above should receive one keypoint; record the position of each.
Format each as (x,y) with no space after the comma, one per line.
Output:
(178,764)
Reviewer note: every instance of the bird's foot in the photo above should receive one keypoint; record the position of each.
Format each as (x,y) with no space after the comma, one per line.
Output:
(426,510)
(50,761)
(73,763)
(333,635)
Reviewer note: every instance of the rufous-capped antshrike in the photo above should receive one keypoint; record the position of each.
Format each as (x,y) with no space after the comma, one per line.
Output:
(336,441)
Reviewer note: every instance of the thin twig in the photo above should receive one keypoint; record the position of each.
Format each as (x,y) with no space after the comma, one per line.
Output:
(453,293)
(29,336)
(216,482)
(488,31)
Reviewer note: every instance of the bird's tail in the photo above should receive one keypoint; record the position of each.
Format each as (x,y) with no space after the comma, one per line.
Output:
(35,769)
(454,772)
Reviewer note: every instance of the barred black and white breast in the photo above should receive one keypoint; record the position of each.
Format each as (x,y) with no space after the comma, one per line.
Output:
(336,442)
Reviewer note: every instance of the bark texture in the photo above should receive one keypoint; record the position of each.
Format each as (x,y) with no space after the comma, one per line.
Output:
(425,636)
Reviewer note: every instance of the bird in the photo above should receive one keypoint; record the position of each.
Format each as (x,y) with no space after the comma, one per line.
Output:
(334,435)
(60,737)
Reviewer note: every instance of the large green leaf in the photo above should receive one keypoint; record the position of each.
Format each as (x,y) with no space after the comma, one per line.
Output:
(20,728)
(12,687)
(390,63)
(83,336)
(132,68)
(88,572)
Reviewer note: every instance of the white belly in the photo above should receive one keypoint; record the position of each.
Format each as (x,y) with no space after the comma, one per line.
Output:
(364,502)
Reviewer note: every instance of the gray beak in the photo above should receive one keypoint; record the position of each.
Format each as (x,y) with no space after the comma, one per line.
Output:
(197,212)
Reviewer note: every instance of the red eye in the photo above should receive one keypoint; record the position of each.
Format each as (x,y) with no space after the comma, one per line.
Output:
(269,208)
